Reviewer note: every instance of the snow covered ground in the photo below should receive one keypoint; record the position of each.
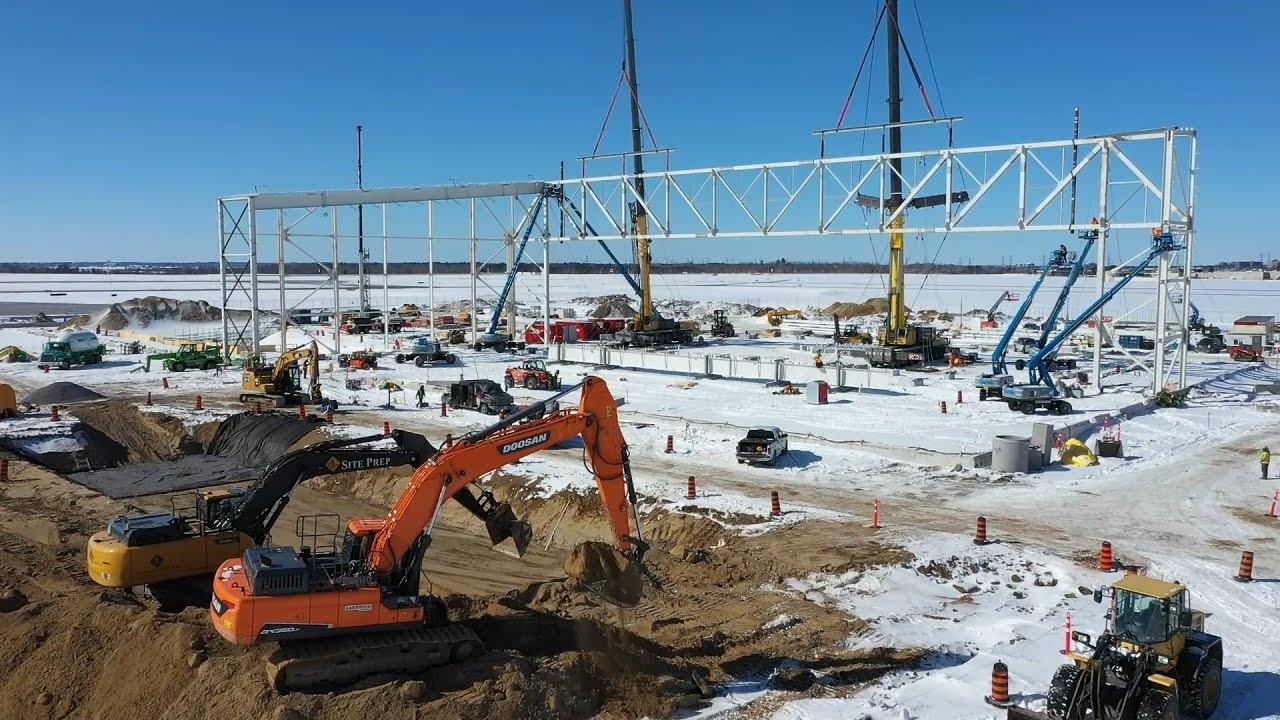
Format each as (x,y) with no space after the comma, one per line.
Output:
(1220,300)
(1183,502)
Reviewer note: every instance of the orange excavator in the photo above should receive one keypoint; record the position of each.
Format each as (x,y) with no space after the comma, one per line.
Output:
(356,610)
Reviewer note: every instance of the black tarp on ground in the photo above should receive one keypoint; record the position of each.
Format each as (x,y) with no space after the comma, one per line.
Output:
(244,445)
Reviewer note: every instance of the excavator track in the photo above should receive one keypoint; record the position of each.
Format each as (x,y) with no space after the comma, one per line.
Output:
(323,664)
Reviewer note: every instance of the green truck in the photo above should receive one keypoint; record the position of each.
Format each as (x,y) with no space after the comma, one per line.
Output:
(77,347)
(188,355)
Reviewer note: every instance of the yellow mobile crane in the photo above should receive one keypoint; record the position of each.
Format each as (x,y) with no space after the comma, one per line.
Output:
(900,342)
(647,327)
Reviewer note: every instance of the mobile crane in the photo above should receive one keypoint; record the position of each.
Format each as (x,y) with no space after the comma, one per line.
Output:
(1041,391)
(647,327)
(902,343)
(355,610)
(175,554)
(989,385)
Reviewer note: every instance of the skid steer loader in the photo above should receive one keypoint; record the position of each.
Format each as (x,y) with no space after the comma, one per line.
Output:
(1153,662)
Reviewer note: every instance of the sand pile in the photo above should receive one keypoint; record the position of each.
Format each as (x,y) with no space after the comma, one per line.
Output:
(872,306)
(604,570)
(62,393)
(141,312)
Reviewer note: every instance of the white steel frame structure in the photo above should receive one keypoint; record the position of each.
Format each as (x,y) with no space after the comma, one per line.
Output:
(1014,187)
(240,246)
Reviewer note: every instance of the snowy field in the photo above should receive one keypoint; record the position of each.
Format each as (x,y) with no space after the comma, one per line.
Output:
(1182,503)
(1220,300)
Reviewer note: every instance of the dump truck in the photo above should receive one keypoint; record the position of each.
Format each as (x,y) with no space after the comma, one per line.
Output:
(76,347)
(188,355)
(1153,661)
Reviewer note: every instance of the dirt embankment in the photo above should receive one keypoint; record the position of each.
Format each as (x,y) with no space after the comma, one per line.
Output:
(556,649)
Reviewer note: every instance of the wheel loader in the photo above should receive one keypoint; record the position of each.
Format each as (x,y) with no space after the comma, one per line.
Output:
(1154,661)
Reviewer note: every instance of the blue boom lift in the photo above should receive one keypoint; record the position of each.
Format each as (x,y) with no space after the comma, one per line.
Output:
(1050,322)
(1041,392)
(989,385)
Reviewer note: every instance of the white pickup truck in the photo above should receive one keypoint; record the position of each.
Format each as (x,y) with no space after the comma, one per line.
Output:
(762,446)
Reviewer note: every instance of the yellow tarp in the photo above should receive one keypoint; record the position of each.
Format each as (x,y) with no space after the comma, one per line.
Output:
(1077,453)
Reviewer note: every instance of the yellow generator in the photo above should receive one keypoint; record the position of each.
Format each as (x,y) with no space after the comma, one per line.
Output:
(165,550)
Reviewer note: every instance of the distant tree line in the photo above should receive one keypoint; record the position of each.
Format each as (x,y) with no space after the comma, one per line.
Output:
(781,265)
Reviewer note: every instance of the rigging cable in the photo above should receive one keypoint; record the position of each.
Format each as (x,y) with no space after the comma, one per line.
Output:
(857,76)
(604,125)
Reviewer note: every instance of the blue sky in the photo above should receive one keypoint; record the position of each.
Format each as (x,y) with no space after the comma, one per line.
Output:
(125,121)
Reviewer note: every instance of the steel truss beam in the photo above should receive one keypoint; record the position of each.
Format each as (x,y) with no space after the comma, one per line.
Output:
(1009,188)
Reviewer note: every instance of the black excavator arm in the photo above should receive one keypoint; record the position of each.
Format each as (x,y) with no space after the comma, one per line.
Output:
(262,504)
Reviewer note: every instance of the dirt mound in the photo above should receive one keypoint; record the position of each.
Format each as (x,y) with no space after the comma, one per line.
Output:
(142,436)
(130,453)
(872,306)
(604,570)
(62,393)
(141,312)
(614,309)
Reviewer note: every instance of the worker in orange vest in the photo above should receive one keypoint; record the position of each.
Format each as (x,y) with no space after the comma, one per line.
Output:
(817,360)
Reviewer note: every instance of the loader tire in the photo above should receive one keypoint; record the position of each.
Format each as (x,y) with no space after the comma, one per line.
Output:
(178,366)
(1203,692)
(1062,690)
(1158,705)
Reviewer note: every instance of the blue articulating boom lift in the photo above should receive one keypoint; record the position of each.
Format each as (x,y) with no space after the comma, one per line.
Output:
(1046,328)
(989,385)
(1040,391)
(491,338)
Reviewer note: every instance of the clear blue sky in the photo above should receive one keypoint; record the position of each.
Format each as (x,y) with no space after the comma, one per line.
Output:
(123,122)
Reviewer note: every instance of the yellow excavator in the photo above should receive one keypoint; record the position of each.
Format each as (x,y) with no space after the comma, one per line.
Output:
(776,315)
(280,384)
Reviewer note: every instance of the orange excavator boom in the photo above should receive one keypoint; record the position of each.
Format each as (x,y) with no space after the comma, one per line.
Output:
(367,592)
(458,465)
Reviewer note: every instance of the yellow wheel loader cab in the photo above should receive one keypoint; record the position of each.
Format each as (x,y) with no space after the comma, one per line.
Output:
(165,547)
(1153,662)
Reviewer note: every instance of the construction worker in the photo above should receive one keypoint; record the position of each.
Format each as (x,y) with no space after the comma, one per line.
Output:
(1266,460)
(817,360)
(422,395)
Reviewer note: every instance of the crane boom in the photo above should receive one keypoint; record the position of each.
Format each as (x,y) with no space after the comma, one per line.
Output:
(259,508)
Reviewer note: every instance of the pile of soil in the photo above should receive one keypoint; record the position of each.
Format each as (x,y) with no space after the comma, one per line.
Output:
(62,393)
(602,569)
(872,306)
(135,453)
(141,312)
(141,437)
(613,309)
